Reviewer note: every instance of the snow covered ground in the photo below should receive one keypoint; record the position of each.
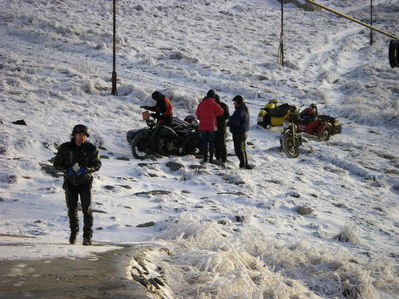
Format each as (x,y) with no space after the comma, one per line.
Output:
(218,233)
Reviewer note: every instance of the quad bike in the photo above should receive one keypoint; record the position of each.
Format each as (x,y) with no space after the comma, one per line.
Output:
(274,115)
(179,138)
(307,124)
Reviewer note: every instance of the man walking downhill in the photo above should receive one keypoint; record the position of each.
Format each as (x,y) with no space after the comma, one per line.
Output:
(239,127)
(220,139)
(78,159)
(207,111)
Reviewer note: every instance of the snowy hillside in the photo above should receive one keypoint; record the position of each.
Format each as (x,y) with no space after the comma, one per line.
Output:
(325,225)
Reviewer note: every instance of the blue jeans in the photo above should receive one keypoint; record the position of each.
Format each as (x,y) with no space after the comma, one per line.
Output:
(208,144)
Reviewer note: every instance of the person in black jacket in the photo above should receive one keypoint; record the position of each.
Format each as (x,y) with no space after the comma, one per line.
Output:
(78,159)
(220,138)
(239,127)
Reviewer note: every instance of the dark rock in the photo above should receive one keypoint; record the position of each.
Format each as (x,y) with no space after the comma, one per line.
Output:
(49,169)
(39,221)
(109,187)
(138,7)
(99,228)
(1,199)
(152,175)
(147,224)
(185,191)
(99,211)
(174,166)
(102,148)
(304,210)
(20,122)
(277,182)
(231,193)
(27,177)
(197,167)
(104,157)
(293,194)
(125,186)
(123,158)
(9,178)
(153,192)
(239,219)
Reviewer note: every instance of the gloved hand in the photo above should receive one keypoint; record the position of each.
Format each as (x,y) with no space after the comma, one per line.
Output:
(71,172)
(82,171)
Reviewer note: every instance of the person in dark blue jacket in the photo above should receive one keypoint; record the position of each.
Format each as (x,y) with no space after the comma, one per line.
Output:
(239,127)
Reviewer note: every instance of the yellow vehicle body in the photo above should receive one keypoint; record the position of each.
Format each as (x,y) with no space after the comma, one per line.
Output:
(272,120)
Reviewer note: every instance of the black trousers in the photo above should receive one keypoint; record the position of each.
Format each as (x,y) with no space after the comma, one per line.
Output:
(240,140)
(220,145)
(208,144)
(72,194)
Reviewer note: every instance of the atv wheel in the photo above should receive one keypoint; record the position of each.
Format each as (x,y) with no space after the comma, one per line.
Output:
(189,146)
(393,53)
(141,145)
(325,134)
(290,146)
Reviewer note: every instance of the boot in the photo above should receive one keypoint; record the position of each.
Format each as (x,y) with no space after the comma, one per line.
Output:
(86,240)
(72,237)
(211,157)
(205,158)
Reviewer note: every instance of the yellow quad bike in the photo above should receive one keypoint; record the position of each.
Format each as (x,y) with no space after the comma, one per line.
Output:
(274,115)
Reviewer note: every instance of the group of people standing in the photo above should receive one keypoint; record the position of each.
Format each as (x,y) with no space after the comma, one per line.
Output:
(214,118)
(78,159)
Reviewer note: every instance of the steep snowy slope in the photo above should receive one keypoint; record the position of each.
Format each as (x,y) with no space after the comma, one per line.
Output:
(229,233)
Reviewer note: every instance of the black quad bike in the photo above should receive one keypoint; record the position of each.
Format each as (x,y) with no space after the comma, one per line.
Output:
(179,138)
(308,124)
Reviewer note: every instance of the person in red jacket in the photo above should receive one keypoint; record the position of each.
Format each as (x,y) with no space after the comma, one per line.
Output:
(163,108)
(207,112)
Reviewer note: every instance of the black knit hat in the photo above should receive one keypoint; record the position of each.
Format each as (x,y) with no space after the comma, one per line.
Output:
(211,94)
(157,96)
(239,99)
(80,129)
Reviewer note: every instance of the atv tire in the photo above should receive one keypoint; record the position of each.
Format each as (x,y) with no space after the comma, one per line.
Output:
(290,146)
(141,146)
(189,146)
(394,53)
(325,134)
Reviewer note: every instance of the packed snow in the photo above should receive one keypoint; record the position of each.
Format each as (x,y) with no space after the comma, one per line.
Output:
(325,225)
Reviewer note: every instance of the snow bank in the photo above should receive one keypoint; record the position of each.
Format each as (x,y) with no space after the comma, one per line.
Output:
(205,259)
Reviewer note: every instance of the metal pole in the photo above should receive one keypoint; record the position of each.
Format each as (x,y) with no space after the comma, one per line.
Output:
(281,46)
(371,22)
(352,19)
(114,91)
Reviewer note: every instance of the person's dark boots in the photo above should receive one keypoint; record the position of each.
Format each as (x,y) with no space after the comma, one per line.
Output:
(210,156)
(86,240)
(72,237)
(205,159)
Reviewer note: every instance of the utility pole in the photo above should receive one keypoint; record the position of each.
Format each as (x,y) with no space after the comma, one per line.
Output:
(280,54)
(371,22)
(114,91)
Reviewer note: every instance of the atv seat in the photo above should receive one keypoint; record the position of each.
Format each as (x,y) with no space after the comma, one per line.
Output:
(280,111)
